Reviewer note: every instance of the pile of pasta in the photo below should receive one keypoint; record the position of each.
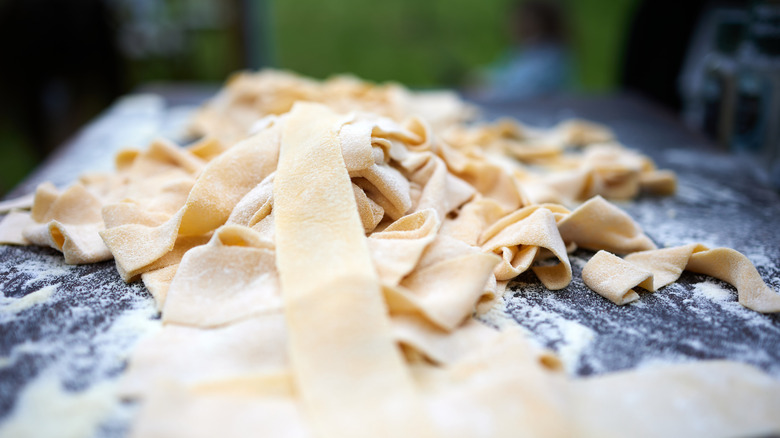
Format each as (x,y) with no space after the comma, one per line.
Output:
(318,257)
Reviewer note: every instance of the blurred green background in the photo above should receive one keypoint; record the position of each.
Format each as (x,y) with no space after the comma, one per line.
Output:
(435,43)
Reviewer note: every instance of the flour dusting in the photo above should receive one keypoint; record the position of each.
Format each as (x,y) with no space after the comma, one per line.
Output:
(575,339)
(46,409)
(713,291)
(67,333)
(12,306)
(546,325)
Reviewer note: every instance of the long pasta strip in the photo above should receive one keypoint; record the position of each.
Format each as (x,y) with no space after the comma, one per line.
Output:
(316,216)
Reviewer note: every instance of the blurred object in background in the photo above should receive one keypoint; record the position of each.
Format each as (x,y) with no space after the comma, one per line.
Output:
(181,40)
(656,44)
(731,83)
(421,44)
(439,43)
(66,61)
(600,30)
(538,61)
(60,67)
(708,82)
(757,113)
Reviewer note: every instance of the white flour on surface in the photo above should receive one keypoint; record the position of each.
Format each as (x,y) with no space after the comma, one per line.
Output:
(86,321)
(45,409)
(12,306)
(42,268)
(83,411)
(544,325)
(695,319)
(713,291)
(67,332)
(713,304)
(567,337)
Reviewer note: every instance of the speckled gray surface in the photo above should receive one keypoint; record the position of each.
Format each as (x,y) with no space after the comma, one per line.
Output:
(81,334)
(721,201)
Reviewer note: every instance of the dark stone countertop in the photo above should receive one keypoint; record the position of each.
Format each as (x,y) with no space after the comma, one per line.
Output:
(84,326)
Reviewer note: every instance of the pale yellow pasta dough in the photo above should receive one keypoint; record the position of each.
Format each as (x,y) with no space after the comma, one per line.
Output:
(547,167)
(220,186)
(318,255)
(733,267)
(158,282)
(20,203)
(722,263)
(472,219)
(439,346)
(12,227)
(214,413)
(614,278)
(706,399)
(207,292)
(598,225)
(190,355)
(316,214)
(498,389)
(397,249)
(486,177)
(68,221)
(446,291)
(518,238)
(666,264)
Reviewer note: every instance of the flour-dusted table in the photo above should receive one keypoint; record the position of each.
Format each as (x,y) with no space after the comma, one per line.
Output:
(67,331)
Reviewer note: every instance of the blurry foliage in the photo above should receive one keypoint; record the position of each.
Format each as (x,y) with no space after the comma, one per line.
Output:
(418,43)
(435,42)
(17,157)
(179,40)
(599,32)
(429,43)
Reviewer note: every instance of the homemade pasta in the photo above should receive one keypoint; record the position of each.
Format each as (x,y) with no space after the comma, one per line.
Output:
(318,255)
